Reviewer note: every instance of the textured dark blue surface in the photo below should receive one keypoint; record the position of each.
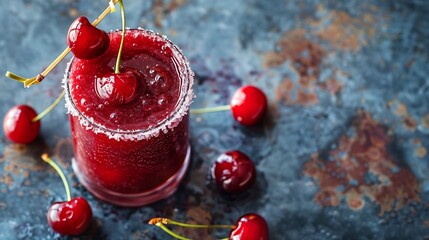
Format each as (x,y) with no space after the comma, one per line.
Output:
(338,75)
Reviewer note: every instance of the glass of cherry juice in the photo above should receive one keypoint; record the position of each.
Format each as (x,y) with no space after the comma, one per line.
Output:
(133,151)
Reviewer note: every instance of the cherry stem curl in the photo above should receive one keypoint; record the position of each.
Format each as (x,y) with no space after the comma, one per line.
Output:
(45,157)
(39,78)
(48,109)
(210,109)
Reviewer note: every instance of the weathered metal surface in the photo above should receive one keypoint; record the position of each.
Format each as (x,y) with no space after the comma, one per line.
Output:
(341,155)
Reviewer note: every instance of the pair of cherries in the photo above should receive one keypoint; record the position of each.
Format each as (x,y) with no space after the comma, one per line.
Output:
(88,42)
(234,172)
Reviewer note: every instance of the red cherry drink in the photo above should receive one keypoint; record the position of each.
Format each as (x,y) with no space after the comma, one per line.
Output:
(133,152)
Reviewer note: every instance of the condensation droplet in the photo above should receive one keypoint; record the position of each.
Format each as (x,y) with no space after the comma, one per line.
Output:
(113,115)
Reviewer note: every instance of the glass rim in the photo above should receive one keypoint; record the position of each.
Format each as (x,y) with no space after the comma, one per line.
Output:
(180,110)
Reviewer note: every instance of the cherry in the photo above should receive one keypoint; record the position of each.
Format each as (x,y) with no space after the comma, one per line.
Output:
(233,172)
(18,124)
(250,227)
(70,218)
(120,88)
(85,40)
(248,105)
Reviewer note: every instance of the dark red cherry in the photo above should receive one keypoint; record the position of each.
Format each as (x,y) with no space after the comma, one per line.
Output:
(233,172)
(70,218)
(18,125)
(85,40)
(119,88)
(250,227)
(248,105)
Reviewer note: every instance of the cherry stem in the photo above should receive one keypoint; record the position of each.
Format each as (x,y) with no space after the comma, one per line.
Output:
(39,78)
(45,157)
(167,221)
(173,234)
(124,23)
(48,109)
(161,222)
(210,109)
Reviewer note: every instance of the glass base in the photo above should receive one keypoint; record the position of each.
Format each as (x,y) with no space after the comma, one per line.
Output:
(140,199)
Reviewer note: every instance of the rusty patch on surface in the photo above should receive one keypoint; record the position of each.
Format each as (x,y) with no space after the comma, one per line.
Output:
(343,31)
(21,160)
(331,85)
(361,166)
(338,28)
(305,57)
(354,200)
(294,45)
(401,110)
(328,197)
(410,123)
(161,8)
(421,152)
(73,12)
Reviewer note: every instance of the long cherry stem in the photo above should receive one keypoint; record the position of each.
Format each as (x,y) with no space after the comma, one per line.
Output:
(124,23)
(45,157)
(210,109)
(48,109)
(39,78)
(161,222)
(166,221)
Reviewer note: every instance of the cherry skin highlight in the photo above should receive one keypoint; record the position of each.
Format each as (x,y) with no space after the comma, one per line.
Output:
(250,227)
(233,172)
(248,105)
(70,218)
(18,125)
(119,88)
(85,40)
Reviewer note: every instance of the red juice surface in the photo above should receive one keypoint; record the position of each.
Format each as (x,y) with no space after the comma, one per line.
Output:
(135,147)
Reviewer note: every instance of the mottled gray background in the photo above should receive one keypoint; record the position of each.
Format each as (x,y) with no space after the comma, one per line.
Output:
(342,153)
